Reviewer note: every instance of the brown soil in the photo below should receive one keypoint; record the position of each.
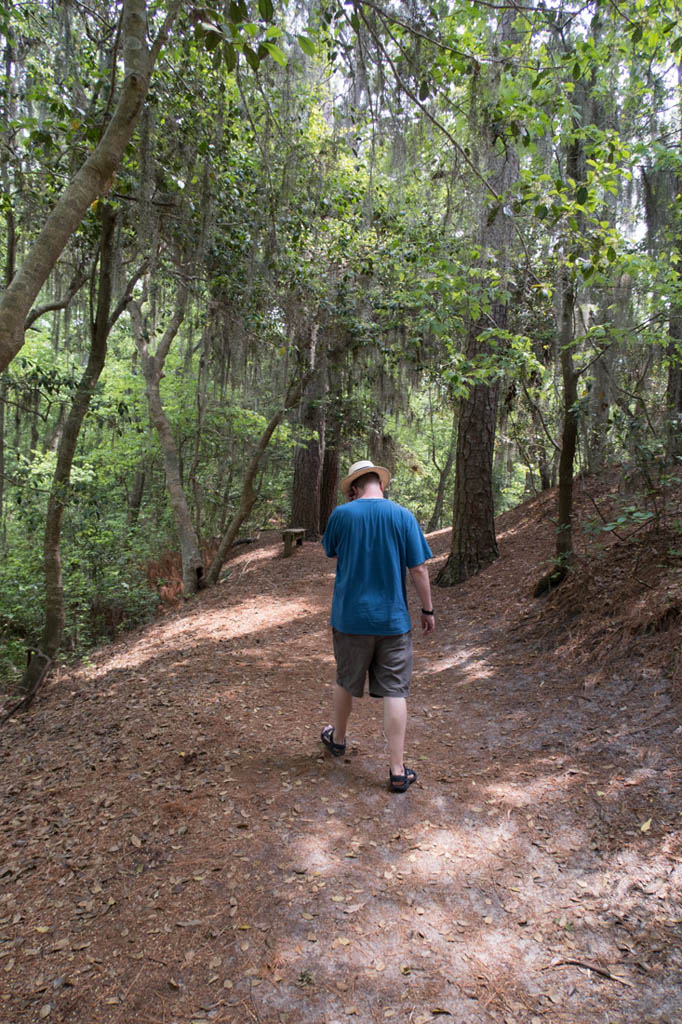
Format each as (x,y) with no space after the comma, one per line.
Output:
(177,846)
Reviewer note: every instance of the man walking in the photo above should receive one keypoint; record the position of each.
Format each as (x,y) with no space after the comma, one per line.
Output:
(374,541)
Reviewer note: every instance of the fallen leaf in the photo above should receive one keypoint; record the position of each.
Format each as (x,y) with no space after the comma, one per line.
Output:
(645,826)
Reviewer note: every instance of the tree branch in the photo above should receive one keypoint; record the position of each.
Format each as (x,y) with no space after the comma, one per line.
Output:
(77,283)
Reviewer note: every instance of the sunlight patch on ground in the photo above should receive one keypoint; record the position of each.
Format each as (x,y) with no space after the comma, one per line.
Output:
(530,792)
(470,661)
(185,632)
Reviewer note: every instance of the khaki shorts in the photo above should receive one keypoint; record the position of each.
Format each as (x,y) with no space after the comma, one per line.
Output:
(387,660)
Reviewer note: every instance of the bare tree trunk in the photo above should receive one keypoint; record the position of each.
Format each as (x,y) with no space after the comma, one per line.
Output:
(91,181)
(135,496)
(443,476)
(569,434)
(598,421)
(330,482)
(474,545)
(10,259)
(674,388)
(152,368)
(3,396)
(569,376)
(305,500)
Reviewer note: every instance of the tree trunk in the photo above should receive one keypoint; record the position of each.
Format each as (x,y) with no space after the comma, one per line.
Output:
(54,588)
(329,484)
(474,545)
(305,501)
(598,420)
(249,493)
(152,368)
(10,262)
(569,434)
(674,389)
(90,182)
(135,496)
(443,476)
(3,395)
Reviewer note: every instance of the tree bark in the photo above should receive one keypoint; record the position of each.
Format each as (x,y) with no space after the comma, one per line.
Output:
(90,182)
(135,496)
(3,395)
(152,368)
(674,388)
(305,500)
(569,434)
(474,545)
(329,483)
(443,475)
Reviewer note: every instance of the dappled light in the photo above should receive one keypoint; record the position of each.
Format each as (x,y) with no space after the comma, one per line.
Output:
(202,853)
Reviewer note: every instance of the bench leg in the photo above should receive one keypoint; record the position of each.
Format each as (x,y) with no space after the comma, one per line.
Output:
(287,546)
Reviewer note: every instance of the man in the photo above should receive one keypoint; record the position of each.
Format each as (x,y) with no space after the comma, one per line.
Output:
(374,541)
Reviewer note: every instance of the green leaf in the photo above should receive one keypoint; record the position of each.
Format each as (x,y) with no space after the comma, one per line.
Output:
(238,11)
(676,44)
(307,45)
(212,40)
(424,90)
(230,55)
(355,22)
(267,11)
(276,53)
(582,195)
(252,57)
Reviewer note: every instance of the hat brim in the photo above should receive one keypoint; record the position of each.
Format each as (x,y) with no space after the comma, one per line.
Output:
(380,471)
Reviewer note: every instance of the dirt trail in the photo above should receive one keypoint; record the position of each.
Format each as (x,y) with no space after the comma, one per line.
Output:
(177,847)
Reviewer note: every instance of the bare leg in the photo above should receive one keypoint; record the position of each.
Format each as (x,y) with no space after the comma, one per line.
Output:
(395,725)
(343,705)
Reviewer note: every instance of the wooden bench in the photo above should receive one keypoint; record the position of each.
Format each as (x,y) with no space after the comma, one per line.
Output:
(294,533)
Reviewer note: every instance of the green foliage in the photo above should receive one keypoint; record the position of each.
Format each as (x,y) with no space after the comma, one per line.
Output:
(334,212)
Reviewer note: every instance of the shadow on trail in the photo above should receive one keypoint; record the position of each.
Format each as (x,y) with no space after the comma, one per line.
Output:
(210,862)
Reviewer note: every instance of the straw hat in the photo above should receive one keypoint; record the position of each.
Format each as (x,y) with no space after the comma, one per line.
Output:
(359,469)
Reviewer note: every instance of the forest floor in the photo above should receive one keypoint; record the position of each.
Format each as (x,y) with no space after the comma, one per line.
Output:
(178,847)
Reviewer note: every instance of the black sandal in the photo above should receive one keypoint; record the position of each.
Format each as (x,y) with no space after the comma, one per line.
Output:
(399,783)
(327,737)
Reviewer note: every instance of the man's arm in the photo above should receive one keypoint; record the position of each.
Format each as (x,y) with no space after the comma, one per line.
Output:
(422,584)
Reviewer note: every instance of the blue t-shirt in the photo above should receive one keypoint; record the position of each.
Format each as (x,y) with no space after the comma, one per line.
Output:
(375,540)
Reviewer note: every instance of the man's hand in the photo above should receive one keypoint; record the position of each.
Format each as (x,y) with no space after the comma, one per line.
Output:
(428,624)
(420,578)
